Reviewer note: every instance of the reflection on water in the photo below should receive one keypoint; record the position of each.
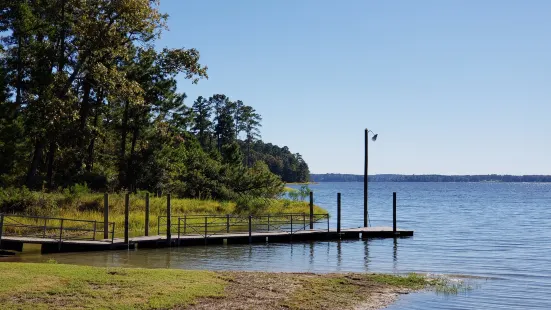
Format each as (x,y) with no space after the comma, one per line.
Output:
(497,231)
(350,255)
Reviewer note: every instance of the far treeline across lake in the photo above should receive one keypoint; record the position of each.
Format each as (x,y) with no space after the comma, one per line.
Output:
(336,177)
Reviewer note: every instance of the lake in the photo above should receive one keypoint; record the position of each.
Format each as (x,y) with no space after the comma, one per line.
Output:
(499,232)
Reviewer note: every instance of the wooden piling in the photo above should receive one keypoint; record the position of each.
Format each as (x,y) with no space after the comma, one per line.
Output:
(311,210)
(147,214)
(106,216)
(338,213)
(394,213)
(227,223)
(126,216)
(250,229)
(168,220)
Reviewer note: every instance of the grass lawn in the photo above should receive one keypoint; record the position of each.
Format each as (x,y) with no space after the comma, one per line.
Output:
(57,286)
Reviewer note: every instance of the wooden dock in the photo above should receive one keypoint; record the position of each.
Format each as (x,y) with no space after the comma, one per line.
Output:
(73,235)
(15,243)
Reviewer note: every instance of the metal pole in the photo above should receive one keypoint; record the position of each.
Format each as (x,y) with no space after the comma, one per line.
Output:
(168,224)
(394,213)
(338,213)
(268,222)
(303,220)
(126,216)
(311,210)
(147,214)
(365,179)
(227,223)
(106,216)
(113,233)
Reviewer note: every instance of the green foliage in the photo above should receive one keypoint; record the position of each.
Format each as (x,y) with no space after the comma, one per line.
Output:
(291,167)
(93,102)
(299,194)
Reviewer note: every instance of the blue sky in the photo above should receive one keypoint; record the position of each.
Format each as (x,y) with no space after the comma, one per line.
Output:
(451,87)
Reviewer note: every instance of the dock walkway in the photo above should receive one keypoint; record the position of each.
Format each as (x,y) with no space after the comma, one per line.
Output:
(50,245)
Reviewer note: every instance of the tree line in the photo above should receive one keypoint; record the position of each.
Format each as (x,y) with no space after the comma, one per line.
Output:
(85,97)
(335,177)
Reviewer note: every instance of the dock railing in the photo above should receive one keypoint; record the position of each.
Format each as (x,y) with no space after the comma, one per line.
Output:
(210,225)
(60,229)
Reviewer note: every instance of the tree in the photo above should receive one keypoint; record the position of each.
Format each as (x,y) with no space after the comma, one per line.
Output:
(202,111)
(251,125)
(224,110)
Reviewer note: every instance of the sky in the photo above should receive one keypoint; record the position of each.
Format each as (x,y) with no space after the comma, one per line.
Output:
(451,87)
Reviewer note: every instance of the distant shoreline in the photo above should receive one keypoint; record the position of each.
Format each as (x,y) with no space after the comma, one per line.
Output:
(491,178)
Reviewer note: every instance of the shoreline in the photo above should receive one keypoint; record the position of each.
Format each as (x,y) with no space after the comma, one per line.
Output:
(52,285)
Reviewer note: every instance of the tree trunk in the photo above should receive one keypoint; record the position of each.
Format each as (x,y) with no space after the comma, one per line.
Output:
(18,98)
(122,155)
(90,151)
(33,168)
(50,164)
(83,116)
(248,152)
(131,173)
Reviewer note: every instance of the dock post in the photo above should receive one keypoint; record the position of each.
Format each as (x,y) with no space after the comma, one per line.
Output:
(311,210)
(206,229)
(106,216)
(338,213)
(126,216)
(60,234)
(147,214)
(178,241)
(394,213)
(95,230)
(227,223)
(168,224)
(250,229)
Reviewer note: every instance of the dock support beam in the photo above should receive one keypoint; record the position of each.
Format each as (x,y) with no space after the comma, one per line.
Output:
(105,216)
(126,216)
(147,214)
(338,213)
(311,210)
(394,213)
(168,222)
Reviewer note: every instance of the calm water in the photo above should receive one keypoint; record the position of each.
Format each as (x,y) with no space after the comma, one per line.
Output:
(501,232)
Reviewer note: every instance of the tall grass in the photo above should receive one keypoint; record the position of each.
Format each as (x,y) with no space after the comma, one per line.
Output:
(79,203)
